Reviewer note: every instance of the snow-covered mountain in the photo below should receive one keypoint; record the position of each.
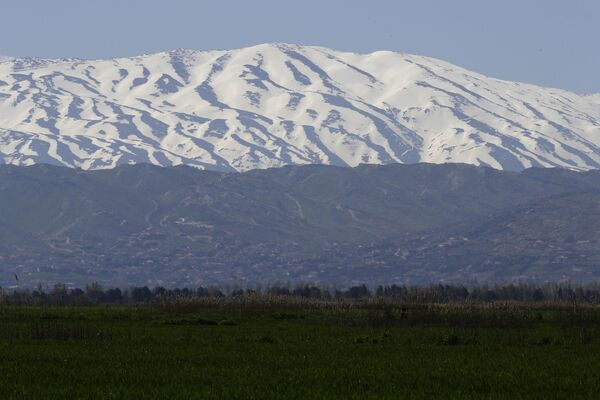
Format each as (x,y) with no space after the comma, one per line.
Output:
(277,104)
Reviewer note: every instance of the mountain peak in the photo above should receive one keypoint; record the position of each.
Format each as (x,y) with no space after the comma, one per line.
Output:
(277,104)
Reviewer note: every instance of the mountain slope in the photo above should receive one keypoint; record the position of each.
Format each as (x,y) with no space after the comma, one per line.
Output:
(179,226)
(274,105)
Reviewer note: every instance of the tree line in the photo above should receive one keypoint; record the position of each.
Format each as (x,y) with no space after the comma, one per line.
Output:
(96,294)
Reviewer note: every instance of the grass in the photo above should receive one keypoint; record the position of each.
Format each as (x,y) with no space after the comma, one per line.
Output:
(250,350)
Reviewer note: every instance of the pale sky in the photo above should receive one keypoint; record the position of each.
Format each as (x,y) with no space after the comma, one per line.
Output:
(546,42)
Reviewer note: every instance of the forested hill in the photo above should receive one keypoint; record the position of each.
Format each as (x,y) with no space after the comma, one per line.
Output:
(179,226)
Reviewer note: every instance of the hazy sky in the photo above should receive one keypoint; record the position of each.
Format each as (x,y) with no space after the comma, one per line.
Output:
(547,42)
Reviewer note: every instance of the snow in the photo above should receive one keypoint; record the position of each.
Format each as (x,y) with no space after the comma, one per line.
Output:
(277,104)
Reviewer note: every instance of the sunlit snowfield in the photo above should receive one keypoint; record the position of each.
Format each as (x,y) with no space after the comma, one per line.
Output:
(278,104)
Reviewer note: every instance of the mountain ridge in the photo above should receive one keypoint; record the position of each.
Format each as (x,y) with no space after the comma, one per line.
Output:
(278,104)
(180,51)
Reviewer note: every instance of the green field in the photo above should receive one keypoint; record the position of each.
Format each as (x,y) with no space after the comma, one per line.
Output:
(258,349)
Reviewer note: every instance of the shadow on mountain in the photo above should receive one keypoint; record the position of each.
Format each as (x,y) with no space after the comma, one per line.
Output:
(417,224)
